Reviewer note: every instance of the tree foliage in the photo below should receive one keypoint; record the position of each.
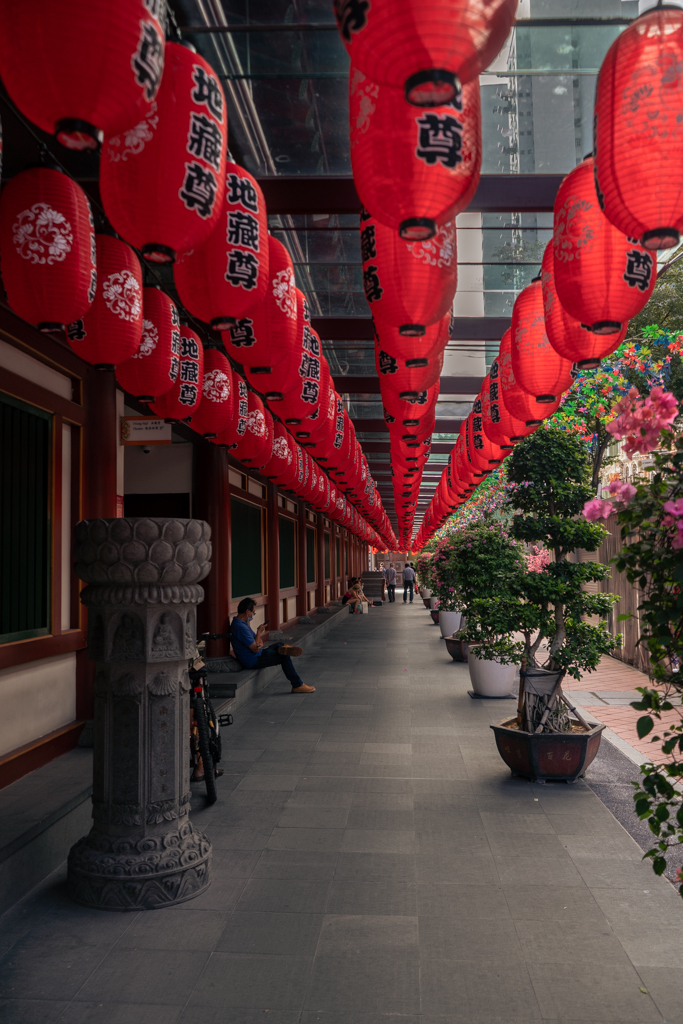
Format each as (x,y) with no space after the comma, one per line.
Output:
(652,558)
(549,472)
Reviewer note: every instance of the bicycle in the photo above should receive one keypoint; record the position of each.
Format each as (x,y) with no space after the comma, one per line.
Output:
(207,743)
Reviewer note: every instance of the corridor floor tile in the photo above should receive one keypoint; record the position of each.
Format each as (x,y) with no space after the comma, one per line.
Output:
(373,863)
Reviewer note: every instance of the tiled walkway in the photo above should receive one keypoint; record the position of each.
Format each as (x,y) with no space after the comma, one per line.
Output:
(374,863)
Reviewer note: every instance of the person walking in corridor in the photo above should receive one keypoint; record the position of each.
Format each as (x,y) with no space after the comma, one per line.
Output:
(391,582)
(408,582)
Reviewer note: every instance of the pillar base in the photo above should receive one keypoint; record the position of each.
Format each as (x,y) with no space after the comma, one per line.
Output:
(118,873)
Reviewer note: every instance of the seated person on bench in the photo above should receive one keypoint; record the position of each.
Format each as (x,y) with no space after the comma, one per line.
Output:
(248,647)
(354,595)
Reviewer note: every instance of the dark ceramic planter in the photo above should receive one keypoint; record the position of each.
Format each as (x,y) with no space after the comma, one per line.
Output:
(434,612)
(543,756)
(427,602)
(456,648)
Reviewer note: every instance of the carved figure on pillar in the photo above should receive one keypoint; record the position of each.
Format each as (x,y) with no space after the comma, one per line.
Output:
(143,589)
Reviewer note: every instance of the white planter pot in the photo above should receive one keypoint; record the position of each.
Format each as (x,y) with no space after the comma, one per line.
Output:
(490,678)
(425,592)
(433,602)
(449,622)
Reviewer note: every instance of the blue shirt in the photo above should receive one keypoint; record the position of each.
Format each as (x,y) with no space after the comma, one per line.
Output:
(242,638)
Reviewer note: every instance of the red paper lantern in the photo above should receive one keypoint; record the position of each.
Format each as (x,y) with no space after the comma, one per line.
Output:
(162,183)
(569,338)
(408,285)
(537,367)
(414,170)
(222,279)
(309,431)
(235,430)
(153,369)
(602,277)
(491,429)
(489,453)
(280,467)
(425,50)
(47,242)
(407,377)
(282,306)
(638,132)
(216,408)
(184,397)
(255,446)
(430,343)
(82,69)
(518,402)
(110,332)
(294,382)
(499,424)
(411,411)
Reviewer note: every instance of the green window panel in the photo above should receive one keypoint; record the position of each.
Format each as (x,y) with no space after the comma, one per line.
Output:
(310,555)
(287,534)
(25,455)
(246,548)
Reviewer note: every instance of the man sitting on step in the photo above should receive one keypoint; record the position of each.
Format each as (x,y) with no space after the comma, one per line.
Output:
(248,647)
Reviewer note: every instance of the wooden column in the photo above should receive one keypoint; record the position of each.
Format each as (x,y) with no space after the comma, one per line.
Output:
(320,553)
(101,440)
(333,562)
(302,600)
(98,439)
(272,558)
(212,503)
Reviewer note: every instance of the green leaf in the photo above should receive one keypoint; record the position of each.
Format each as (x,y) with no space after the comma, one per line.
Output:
(624,616)
(658,866)
(644,726)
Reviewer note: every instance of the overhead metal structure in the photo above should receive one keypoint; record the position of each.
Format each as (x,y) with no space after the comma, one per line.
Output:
(285,72)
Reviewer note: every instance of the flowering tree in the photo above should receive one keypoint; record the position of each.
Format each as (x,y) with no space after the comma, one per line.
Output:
(489,501)
(651,519)
(653,360)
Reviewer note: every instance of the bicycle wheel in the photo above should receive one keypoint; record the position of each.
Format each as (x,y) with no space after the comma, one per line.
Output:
(205,749)
(215,742)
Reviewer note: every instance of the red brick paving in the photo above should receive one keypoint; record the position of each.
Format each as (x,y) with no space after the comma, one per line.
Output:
(616,676)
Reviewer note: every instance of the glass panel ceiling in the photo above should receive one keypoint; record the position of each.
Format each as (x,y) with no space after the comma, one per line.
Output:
(285,72)
(287,85)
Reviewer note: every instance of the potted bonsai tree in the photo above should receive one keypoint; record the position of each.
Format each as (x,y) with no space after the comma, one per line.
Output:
(539,620)
(450,608)
(479,561)
(423,566)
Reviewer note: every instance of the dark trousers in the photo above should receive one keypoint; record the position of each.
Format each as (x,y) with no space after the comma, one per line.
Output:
(391,587)
(269,656)
(407,586)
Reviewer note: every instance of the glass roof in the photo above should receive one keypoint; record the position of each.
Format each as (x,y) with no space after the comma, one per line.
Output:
(285,73)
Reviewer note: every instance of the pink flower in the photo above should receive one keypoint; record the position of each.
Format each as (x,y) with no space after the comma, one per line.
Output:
(622,491)
(674,508)
(639,422)
(597,509)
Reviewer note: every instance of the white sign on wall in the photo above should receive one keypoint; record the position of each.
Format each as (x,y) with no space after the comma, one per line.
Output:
(144,430)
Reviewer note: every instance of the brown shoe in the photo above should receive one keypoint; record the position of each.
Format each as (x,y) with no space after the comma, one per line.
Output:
(304,689)
(291,652)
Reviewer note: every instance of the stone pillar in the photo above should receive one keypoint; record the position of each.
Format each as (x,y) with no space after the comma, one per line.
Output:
(143,590)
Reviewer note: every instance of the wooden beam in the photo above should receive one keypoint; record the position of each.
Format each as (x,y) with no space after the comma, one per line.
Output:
(370,385)
(336,194)
(360,328)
